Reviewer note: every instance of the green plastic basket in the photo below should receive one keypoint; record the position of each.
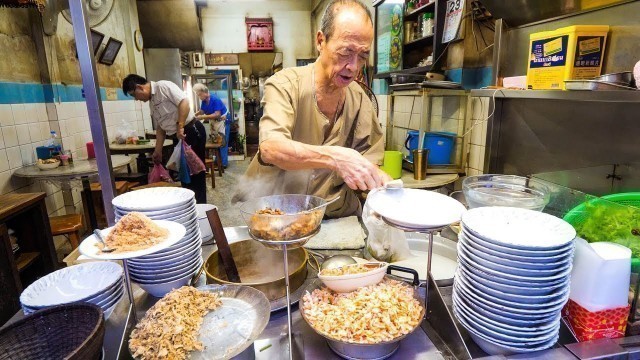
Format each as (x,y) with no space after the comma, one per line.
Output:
(579,214)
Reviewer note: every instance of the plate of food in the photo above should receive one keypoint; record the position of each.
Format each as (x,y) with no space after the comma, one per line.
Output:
(133,236)
(353,276)
(47,164)
(210,322)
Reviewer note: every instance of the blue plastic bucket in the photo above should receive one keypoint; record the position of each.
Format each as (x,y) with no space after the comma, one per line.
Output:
(440,145)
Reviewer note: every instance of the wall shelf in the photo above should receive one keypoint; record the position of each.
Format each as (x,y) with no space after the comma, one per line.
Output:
(419,10)
(419,40)
(562,95)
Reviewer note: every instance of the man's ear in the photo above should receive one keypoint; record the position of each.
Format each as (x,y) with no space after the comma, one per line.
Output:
(320,41)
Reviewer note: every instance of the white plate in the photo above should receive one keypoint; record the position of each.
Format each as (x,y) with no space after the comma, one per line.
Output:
(169,260)
(416,208)
(108,302)
(184,208)
(158,276)
(519,228)
(511,269)
(164,270)
(89,246)
(74,283)
(169,253)
(153,199)
(533,280)
(525,289)
(191,272)
(533,254)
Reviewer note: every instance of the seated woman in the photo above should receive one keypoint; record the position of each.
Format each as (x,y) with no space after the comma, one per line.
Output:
(214,110)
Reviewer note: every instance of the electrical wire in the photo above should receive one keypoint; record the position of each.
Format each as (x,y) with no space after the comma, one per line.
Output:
(478,122)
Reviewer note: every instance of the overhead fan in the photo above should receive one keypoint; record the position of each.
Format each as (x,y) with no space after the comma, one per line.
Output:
(97,11)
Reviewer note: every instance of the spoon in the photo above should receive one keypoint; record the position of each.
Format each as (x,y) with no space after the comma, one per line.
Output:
(323,205)
(105,248)
(334,261)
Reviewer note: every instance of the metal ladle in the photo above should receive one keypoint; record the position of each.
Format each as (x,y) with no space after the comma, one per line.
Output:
(333,261)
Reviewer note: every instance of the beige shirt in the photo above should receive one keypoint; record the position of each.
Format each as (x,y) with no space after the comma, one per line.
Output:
(165,98)
(291,112)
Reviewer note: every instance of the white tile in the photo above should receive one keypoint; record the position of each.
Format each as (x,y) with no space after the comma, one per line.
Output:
(401,119)
(31,112)
(1,140)
(80,109)
(19,116)
(52,112)
(23,134)
(34,132)
(68,143)
(138,105)
(5,182)
(27,154)
(6,115)
(14,157)
(417,105)
(58,199)
(45,130)
(414,122)
(78,141)
(51,206)
(10,136)
(4,162)
(139,115)
(62,125)
(41,112)
(64,110)
(50,187)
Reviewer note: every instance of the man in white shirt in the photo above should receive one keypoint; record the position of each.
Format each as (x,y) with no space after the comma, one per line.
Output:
(173,118)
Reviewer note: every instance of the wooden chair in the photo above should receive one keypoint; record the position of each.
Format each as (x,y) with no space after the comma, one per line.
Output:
(98,204)
(68,226)
(208,164)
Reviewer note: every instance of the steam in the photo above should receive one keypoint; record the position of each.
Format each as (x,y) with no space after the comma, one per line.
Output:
(276,182)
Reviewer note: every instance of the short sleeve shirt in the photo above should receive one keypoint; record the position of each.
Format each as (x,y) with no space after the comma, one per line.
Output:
(215,104)
(165,98)
(291,112)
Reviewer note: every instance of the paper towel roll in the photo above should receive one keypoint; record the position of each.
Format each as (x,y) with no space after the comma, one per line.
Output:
(600,275)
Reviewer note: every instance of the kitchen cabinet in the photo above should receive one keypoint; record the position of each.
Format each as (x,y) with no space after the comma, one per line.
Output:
(394,51)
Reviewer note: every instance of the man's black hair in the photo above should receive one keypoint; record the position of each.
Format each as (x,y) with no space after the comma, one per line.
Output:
(129,83)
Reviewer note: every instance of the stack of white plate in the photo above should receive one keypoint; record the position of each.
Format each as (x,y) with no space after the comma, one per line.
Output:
(173,267)
(99,283)
(513,278)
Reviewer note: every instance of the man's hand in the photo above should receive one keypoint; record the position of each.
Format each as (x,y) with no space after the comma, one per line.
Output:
(356,171)
(180,133)
(385,177)
(157,157)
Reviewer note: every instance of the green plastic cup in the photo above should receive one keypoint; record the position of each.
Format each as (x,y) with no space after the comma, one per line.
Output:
(392,164)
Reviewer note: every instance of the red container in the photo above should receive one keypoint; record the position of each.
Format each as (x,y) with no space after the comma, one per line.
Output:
(589,325)
(91,153)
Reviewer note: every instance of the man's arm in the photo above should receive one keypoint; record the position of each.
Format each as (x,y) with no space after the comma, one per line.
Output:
(183,112)
(215,116)
(356,171)
(157,153)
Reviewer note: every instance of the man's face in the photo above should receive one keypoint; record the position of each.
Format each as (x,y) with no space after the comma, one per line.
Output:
(142,92)
(203,95)
(348,48)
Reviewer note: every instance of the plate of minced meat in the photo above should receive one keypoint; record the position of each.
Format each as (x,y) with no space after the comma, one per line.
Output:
(133,236)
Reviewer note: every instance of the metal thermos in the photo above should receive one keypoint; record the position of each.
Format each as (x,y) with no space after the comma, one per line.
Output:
(420,163)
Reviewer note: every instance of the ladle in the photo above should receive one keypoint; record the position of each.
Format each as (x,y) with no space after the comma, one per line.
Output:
(333,261)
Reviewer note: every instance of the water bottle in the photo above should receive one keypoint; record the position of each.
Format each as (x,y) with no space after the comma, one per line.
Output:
(54,144)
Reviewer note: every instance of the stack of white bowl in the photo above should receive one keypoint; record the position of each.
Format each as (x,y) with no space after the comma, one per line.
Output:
(513,278)
(168,269)
(100,283)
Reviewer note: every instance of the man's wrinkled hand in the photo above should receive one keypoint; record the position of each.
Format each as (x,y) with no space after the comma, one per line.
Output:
(356,171)
(180,134)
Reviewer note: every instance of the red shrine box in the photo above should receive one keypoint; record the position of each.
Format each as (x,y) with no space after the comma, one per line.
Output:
(260,34)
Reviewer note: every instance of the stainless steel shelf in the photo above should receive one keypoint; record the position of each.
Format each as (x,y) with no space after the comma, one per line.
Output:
(626,96)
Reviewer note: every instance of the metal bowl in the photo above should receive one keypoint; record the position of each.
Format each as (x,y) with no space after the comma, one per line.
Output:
(377,351)
(303,214)
(505,190)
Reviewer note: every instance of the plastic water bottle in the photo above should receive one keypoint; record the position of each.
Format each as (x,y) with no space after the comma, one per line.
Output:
(54,144)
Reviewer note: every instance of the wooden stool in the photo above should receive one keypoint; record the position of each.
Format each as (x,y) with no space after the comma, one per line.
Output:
(98,204)
(68,226)
(215,149)
(208,164)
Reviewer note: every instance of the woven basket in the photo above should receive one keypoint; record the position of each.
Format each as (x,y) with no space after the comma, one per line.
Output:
(72,331)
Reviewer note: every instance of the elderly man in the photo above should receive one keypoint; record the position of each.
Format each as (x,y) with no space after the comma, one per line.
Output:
(319,133)
(171,117)
(214,110)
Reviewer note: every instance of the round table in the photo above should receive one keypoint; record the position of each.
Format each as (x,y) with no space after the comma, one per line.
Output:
(432,181)
(140,149)
(81,169)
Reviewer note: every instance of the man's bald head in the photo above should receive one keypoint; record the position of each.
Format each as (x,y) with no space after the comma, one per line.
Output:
(327,24)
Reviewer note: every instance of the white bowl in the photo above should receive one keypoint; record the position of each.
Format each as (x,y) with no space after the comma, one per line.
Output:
(511,269)
(490,281)
(161,264)
(107,293)
(533,280)
(480,251)
(171,253)
(153,199)
(162,289)
(493,348)
(352,282)
(184,208)
(551,301)
(191,272)
(51,166)
(167,268)
(544,253)
(71,284)
(519,228)
(159,275)
(106,303)
(480,311)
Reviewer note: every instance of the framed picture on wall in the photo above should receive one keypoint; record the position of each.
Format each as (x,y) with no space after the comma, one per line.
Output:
(96,41)
(110,52)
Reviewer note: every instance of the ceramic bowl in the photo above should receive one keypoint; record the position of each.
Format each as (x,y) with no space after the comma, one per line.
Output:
(526,289)
(161,289)
(51,166)
(519,252)
(164,269)
(352,282)
(153,199)
(167,279)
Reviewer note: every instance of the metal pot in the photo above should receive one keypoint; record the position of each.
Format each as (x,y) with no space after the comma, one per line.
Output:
(260,268)
(378,351)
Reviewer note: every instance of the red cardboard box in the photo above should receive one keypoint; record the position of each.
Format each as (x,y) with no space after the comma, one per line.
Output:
(589,325)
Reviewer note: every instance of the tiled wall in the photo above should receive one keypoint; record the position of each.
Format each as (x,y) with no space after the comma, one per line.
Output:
(478,135)
(23,127)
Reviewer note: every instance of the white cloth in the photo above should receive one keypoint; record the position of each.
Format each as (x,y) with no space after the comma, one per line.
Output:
(165,98)
(339,234)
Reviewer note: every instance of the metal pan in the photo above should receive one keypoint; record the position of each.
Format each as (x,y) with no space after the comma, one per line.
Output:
(593,85)
(624,78)
(378,351)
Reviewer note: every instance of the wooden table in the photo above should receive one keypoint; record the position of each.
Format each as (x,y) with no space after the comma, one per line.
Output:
(140,149)
(81,169)
(433,181)
(27,215)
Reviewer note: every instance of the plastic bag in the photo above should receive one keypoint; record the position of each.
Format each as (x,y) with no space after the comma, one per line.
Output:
(183,174)
(174,159)
(126,134)
(196,165)
(384,243)
(158,174)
